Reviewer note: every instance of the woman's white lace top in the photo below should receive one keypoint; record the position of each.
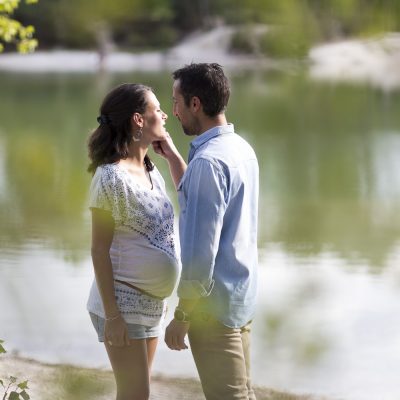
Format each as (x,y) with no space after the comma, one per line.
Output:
(143,250)
(135,207)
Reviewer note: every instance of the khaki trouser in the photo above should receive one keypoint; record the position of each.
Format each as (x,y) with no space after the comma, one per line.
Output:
(222,358)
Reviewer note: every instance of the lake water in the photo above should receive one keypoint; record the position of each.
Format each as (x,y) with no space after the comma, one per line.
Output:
(328,320)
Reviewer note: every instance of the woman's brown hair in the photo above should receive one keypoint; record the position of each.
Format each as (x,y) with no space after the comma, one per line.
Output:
(110,142)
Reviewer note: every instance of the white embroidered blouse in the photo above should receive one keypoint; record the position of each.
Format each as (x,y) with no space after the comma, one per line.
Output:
(143,249)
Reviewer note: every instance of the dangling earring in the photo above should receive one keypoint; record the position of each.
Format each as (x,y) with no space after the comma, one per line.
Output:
(138,136)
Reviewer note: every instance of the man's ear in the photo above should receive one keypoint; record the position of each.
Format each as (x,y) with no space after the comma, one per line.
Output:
(195,103)
(137,118)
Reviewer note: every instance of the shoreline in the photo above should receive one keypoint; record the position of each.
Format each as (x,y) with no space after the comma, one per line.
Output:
(67,382)
(80,61)
(372,61)
(210,46)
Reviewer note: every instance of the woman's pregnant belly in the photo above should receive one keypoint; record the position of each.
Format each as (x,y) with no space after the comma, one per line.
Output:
(137,261)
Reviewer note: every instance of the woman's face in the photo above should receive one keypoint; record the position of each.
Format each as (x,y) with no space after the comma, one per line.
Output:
(154,119)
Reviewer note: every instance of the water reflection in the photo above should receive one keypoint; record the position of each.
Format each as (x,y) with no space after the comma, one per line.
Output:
(325,153)
(327,329)
(328,158)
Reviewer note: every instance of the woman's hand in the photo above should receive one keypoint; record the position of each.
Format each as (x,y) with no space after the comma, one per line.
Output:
(116,332)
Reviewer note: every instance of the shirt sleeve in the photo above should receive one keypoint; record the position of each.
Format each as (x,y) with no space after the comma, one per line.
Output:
(107,193)
(99,193)
(202,197)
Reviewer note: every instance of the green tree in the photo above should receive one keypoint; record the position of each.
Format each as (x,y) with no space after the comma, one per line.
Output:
(83,24)
(12,31)
(296,25)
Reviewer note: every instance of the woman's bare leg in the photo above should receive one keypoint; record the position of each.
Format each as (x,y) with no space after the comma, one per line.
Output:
(131,369)
(151,349)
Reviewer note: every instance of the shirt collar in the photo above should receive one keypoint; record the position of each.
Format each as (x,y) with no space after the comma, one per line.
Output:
(208,135)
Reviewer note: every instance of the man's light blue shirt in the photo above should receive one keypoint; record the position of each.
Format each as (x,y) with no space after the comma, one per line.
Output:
(218,198)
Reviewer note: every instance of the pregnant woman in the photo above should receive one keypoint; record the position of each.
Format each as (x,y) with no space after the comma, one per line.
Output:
(133,243)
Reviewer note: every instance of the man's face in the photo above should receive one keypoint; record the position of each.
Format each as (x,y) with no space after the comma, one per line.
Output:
(183,112)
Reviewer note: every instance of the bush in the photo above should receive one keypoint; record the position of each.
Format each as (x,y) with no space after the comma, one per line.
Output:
(12,389)
(247,39)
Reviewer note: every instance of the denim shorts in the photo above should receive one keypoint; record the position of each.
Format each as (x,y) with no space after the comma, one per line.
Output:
(135,331)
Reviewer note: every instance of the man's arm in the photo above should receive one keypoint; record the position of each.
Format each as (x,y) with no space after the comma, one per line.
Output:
(166,149)
(204,192)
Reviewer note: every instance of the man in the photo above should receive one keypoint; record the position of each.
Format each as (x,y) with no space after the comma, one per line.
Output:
(218,197)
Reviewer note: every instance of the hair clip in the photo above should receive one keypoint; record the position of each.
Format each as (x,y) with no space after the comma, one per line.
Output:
(103,119)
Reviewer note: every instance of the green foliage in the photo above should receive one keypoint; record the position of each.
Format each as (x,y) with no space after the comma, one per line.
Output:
(248,39)
(2,349)
(79,24)
(12,389)
(295,25)
(12,31)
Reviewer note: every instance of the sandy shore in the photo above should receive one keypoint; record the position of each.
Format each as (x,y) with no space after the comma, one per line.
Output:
(374,61)
(63,382)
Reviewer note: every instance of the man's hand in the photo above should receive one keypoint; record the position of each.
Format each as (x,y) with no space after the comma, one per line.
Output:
(175,335)
(165,148)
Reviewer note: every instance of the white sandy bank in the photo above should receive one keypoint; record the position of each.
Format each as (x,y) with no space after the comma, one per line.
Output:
(374,61)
